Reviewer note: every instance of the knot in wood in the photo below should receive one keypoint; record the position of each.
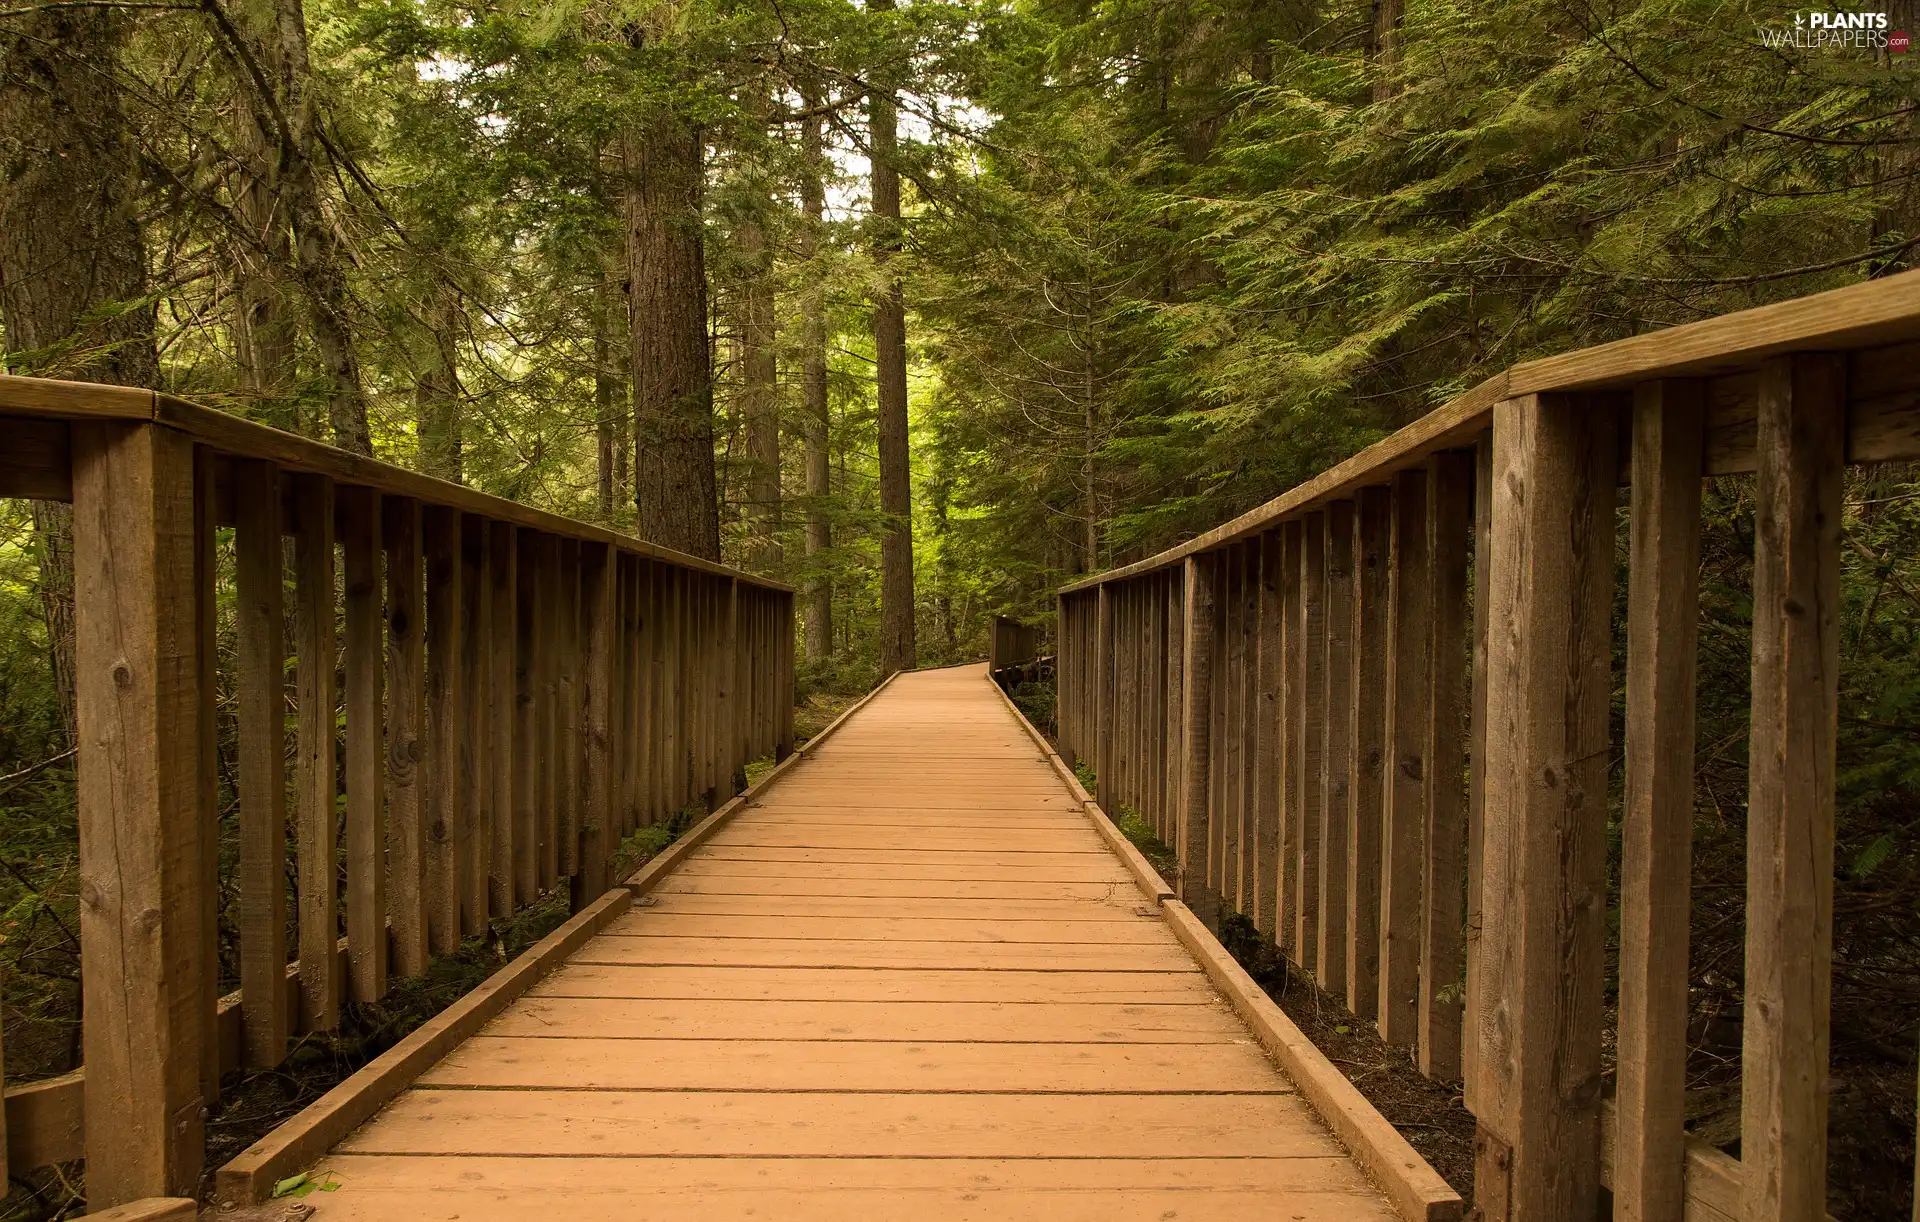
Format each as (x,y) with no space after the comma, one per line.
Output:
(89,893)
(1413,767)
(439,829)
(1550,777)
(122,673)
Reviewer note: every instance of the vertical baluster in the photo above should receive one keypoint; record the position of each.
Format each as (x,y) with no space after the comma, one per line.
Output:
(1477,757)
(597,678)
(1267,756)
(444,717)
(260,676)
(1336,759)
(566,717)
(366,754)
(526,717)
(547,708)
(627,732)
(1443,889)
(1292,706)
(786,686)
(653,647)
(315,781)
(1409,706)
(1196,670)
(1232,742)
(473,831)
(407,740)
(1656,834)
(1366,798)
(1256,889)
(1790,808)
(1312,732)
(503,716)
(1218,812)
(1172,821)
(207,777)
(1103,697)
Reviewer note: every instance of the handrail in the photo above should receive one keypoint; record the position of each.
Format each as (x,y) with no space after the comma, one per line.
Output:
(1877,314)
(521,691)
(1372,717)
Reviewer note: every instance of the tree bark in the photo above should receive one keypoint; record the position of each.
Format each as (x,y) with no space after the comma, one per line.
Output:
(436,391)
(671,365)
(263,323)
(610,438)
(897,650)
(761,406)
(814,406)
(1383,46)
(72,262)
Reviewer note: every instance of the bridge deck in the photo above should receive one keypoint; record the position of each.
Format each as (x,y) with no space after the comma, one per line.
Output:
(910,982)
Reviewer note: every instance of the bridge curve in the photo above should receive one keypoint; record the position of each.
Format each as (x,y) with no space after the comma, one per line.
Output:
(907,979)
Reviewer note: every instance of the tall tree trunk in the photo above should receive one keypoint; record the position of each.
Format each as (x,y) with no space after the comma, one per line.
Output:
(761,406)
(322,261)
(263,324)
(674,491)
(814,407)
(890,359)
(1383,46)
(436,391)
(610,439)
(72,265)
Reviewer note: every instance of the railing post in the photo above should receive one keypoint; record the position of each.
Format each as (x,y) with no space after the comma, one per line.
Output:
(137,687)
(1196,701)
(598,574)
(1542,966)
(1103,698)
(1790,806)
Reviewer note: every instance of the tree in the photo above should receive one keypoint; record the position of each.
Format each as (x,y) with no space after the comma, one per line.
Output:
(897,650)
(816,414)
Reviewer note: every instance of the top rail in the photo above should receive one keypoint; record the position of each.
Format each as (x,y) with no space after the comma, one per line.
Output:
(55,400)
(1879,321)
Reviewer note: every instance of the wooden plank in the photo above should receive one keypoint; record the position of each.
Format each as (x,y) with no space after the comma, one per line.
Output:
(679,1062)
(1790,805)
(137,697)
(547,708)
(548,1123)
(526,719)
(929,986)
(1079,1189)
(1477,756)
(1102,693)
(407,738)
(1195,747)
(365,667)
(1544,852)
(1408,709)
(1366,803)
(1336,758)
(503,719)
(646,729)
(315,781)
(207,821)
(473,832)
(260,659)
(1311,727)
(151,1209)
(1656,839)
(1415,1189)
(249,1178)
(566,725)
(445,714)
(1227,874)
(1293,697)
(626,752)
(74,400)
(598,581)
(1124,931)
(1443,888)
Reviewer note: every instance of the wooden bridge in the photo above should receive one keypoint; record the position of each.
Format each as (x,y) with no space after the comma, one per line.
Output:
(915,971)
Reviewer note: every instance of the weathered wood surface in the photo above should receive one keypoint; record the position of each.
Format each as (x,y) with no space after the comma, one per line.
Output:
(825,1013)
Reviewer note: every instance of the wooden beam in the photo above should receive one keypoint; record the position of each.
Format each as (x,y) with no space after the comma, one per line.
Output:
(1409,709)
(1196,698)
(1477,754)
(526,724)
(137,696)
(598,579)
(1292,708)
(445,711)
(1102,707)
(1267,768)
(1790,805)
(503,718)
(1366,795)
(1656,838)
(1311,727)
(365,756)
(1545,841)
(407,741)
(260,660)
(206,617)
(1336,759)
(1443,889)
(566,722)
(315,782)
(473,832)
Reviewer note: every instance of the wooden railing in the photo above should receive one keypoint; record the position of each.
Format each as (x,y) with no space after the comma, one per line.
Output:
(1373,717)
(520,692)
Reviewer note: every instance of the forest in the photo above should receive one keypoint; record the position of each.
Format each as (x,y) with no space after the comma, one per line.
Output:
(927,306)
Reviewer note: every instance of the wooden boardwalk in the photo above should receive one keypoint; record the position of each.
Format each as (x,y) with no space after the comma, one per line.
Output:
(909,982)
